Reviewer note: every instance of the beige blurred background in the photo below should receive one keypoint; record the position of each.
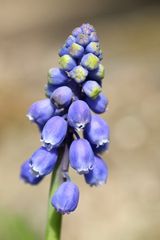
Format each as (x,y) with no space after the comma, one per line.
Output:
(31,32)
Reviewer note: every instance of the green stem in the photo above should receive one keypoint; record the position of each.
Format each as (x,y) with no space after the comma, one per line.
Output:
(53,228)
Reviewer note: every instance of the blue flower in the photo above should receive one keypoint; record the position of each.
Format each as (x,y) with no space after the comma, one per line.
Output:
(65,199)
(99,174)
(76,50)
(91,89)
(67,63)
(41,111)
(57,76)
(97,131)
(42,162)
(81,156)
(54,132)
(99,104)
(79,114)
(27,175)
(62,96)
(90,61)
(78,74)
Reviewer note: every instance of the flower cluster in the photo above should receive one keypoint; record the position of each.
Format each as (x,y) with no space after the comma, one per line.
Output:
(66,123)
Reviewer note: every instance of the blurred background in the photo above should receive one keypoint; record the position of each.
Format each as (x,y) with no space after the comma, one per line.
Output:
(31,32)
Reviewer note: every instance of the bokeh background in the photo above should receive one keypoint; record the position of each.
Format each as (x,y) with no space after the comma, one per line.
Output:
(31,32)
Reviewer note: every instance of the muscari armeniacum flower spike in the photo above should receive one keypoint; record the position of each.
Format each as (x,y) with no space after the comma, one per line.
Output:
(99,104)
(81,156)
(97,131)
(65,199)
(54,132)
(42,162)
(27,175)
(41,111)
(62,96)
(91,89)
(99,174)
(79,114)
(73,90)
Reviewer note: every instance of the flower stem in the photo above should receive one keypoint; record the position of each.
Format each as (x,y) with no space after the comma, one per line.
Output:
(53,228)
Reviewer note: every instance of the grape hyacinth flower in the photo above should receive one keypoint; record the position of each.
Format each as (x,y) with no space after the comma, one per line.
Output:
(72,133)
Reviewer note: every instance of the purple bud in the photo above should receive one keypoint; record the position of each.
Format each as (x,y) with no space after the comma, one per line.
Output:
(54,132)
(97,74)
(82,39)
(63,51)
(87,28)
(99,174)
(65,199)
(78,73)
(70,40)
(81,156)
(79,114)
(67,63)
(62,96)
(93,37)
(57,76)
(93,47)
(41,111)
(99,104)
(91,89)
(97,131)
(90,61)
(27,175)
(76,50)
(42,162)
(76,31)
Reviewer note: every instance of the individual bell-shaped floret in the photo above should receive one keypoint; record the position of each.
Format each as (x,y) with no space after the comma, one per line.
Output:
(66,198)
(97,74)
(79,114)
(97,131)
(27,175)
(57,76)
(78,74)
(76,50)
(93,37)
(54,132)
(91,89)
(93,47)
(99,174)
(67,63)
(99,104)
(62,96)
(90,61)
(42,162)
(41,111)
(81,156)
